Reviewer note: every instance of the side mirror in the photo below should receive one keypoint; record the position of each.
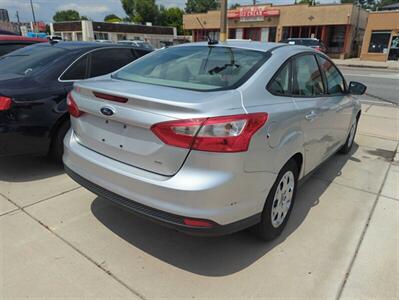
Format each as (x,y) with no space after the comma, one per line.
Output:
(357,88)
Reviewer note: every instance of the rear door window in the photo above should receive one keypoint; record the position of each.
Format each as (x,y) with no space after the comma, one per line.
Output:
(140,52)
(335,82)
(78,70)
(105,61)
(307,79)
(281,83)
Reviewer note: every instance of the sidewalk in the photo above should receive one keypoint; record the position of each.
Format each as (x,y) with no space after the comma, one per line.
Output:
(58,240)
(356,62)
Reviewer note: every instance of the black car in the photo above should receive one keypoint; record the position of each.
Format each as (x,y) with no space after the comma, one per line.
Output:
(309,42)
(34,83)
(9,43)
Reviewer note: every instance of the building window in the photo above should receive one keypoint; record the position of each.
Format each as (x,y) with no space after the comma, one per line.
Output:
(379,41)
(202,35)
(336,38)
(272,34)
(232,33)
(121,37)
(101,35)
(253,34)
(67,36)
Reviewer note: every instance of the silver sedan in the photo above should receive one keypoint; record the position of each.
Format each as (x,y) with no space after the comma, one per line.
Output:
(211,138)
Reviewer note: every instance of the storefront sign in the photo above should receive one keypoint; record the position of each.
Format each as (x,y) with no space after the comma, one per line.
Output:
(253,13)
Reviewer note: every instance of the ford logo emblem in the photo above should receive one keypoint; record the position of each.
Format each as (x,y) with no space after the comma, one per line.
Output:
(106,111)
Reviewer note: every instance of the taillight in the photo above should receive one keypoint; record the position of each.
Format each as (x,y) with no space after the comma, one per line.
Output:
(216,134)
(5,103)
(317,48)
(73,107)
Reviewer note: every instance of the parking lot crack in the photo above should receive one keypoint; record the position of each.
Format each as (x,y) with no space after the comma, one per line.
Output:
(98,265)
(364,231)
(51,197)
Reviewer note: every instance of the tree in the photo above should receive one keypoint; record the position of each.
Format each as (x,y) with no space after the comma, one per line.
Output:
(234,5)
(112,18)
(367,4)
(309,2)
(146,11)
(382,3)
(141,11)
(66,15)
(172,16)
(200,6)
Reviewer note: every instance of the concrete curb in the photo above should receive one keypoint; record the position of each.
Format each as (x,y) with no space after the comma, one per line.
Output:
(367,66)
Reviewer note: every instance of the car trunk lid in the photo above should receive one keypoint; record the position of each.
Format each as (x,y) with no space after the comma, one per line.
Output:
(122,131)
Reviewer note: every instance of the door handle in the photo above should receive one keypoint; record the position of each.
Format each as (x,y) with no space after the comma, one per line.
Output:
(311,116)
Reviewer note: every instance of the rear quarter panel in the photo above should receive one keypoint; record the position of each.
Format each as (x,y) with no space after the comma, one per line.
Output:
(282,137)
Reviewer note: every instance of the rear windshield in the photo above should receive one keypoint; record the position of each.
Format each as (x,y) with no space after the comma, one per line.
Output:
(29,59)
(203,68)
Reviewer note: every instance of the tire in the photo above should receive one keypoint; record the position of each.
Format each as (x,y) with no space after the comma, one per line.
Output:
(346,148)
(272,224)
(57,142)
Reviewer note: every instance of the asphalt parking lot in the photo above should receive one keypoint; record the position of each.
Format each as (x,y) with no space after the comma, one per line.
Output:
(341,242)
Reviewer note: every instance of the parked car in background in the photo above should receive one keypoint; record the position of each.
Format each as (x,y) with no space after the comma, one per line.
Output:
(34,82)
(137,43)
(210,139)
(9,43)
(309,42)
(103,41)
(54,37)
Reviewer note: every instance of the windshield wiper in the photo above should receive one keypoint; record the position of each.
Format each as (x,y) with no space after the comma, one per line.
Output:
(224,67)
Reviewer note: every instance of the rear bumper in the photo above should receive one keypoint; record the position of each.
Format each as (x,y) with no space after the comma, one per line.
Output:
(19,140)
(213,189)
(162,217)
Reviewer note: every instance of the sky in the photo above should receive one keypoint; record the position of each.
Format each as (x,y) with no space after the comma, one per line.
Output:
(94,9)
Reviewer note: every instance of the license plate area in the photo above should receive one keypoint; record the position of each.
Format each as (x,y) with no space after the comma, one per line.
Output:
(111,133)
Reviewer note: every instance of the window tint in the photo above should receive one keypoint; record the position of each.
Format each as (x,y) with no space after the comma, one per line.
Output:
(105,61)
(307,76)
(195,67)
(77,71)
(141,53)
(335,82)
(280,84)
(7,48)
(30,59)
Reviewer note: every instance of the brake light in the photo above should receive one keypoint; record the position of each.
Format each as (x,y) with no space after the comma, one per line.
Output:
(73,107)
(5,103)
(317,48)
(110,97)
(216,134)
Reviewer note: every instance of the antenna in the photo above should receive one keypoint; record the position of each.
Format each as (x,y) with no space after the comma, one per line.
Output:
(210,40)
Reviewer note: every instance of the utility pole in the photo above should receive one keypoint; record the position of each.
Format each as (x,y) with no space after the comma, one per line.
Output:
(33,14)
(19,23)
(223,20)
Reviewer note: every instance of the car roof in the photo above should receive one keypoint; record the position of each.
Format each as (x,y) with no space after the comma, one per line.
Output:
(74,46)
(249,45)
(4,37)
